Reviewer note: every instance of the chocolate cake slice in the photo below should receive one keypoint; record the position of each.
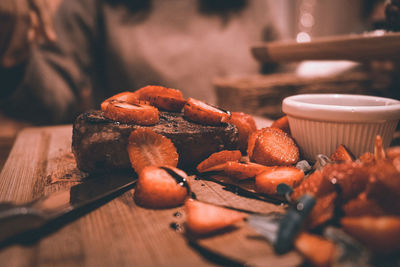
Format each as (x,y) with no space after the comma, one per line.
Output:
(100,144)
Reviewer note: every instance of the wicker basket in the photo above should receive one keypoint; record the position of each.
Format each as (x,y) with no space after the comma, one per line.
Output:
(262,95)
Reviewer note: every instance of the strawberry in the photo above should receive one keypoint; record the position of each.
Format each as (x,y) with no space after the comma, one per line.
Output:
(282,123)
(162,97)
(367,158)
(315,184)
(203,218)
(246,125)
(161,187)
(131,113)
(200,112)
(381,234)
(268,180)
(351,177)
(128,97)
(384,186)
(147,148)
(387,174)
(271,146)
(323,211)
(341,154)
(362,206)
(218,158)
(239,171)
(379,151)
(317,250)
(393,152)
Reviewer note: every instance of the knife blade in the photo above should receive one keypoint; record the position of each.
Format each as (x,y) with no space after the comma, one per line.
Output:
(15,220)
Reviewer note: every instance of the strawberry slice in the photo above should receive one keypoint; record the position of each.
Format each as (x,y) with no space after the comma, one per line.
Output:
(161,187)
(162,97)
(271,146)
(282,123)
(367,158)
(241,171)
(200,112)
(131,113)
(393,152)
(341,154)
(218,158)
(147,148)
(246,125)
(315,185)
(379,151)
(323,210)
(267,181)
(317,250)
(128,97)
(384,185)
(350,177)
(362,206)
(203,218)
(381,234)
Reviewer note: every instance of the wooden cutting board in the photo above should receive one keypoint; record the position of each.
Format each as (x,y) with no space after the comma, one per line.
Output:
(119,233)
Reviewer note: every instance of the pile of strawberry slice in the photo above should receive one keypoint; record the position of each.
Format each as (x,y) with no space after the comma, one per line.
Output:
(270,160)
(153,156)
(271,151)
(359,195)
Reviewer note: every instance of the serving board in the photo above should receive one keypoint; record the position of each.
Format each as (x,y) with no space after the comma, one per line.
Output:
(118,232)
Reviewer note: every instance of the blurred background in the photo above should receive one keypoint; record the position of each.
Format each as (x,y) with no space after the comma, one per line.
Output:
(61,58)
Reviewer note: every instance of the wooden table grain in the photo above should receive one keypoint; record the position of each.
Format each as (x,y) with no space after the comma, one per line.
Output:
(118,232)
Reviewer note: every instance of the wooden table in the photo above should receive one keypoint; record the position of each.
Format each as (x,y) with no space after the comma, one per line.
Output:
(118,233)
(9,129)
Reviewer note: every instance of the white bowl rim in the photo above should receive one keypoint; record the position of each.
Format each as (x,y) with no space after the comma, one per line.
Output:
(295,106)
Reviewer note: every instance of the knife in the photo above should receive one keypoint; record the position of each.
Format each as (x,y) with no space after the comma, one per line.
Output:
(17,220)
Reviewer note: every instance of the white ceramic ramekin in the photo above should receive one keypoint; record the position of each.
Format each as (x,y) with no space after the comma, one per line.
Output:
(321,122)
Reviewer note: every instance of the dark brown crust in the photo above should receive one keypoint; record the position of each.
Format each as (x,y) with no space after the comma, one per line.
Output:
(99,144)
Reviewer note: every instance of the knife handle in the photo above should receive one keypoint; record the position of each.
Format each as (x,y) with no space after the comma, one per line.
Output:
(18,219)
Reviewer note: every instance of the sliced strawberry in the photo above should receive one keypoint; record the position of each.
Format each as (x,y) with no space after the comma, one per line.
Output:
(381,234)
(161,187)
(393,152)
(367,158)
(162,97)
(282,123)
(246,125)
(131,113)
(251,142)
(362,206)
(341,154)
(271,146)
(128,97)
(267,181)
(323,210)
(315,184)
(203,218)
(239,170)
(200,112)
(317,250)
(147,148)
(379,151)
(386,174)
(384,186)
(218,158)
(351,177)
(153,90)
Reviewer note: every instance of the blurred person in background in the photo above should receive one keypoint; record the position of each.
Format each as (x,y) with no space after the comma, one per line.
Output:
(23,23)
(105,47)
